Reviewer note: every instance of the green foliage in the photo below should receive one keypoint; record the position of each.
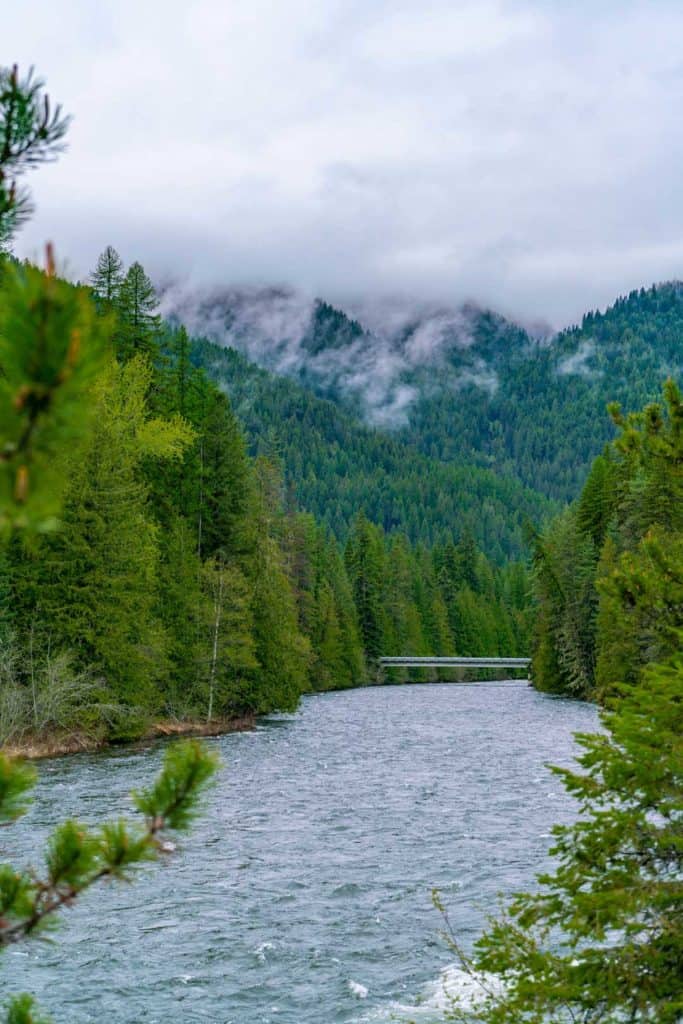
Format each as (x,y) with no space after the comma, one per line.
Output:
(52,347)
(335,465)
(78,858)
(602,938)
(22,1010)
(139,323)
(102,567)
(107,279)
(16,781)
(31,133)
(497,455)
(173,801)
(608,573)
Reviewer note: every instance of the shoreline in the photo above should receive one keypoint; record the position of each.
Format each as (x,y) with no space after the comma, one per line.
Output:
(37,748)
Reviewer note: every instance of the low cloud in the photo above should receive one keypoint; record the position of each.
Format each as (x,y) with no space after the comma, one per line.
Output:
(374,365)
(577,364)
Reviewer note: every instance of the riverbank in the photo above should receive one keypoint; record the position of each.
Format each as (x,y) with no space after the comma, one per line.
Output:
(35,748)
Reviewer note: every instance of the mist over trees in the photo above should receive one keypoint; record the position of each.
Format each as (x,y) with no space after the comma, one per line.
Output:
(183,582)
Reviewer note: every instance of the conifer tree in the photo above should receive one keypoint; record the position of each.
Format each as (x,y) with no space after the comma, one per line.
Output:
(31,133)
(601,940)
(282,652)
(230,665)
(102,567)
(364,558)
(226,487)
(107,279)
(139,321)
(183,609)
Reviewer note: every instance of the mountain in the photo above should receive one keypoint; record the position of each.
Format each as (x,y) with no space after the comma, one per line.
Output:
(431,416)
(546,419)
(335,465)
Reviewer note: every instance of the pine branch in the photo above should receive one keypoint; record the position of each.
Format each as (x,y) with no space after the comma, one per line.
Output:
(78,859)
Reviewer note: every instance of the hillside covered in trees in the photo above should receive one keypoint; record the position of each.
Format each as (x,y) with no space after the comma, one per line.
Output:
(229,539)
(608,571)
(335,464)
(180,580)
(466,386)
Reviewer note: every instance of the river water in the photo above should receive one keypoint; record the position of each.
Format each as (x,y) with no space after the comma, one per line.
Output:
(303,894)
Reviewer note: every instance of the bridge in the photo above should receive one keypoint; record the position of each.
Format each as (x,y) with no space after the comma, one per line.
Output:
(453,662)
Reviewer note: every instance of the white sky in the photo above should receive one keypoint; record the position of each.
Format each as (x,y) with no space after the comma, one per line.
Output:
(524,154)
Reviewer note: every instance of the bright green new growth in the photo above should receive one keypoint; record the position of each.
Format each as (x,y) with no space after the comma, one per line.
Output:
(77,857)
(52,346)
(16,781)
(22,1010)
(171,802)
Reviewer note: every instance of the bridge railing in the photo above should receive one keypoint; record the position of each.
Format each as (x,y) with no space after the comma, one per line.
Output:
(408,661)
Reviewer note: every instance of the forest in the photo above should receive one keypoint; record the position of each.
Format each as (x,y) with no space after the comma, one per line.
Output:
(187,540)
(184,583)
(607,571)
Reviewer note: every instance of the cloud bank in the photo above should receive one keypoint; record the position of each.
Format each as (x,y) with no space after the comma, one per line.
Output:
(392,354)
(522,153)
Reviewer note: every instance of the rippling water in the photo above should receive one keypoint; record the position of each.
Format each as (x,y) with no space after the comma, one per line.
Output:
(303,896)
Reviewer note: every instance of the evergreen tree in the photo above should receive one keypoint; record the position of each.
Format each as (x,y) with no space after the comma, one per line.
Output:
(228,676)
(31,133)
(282,652)
(607,573)
(183,609)
(226,486)
(102,567)
(107,279)
(602,938)
(139,322)
(364,559)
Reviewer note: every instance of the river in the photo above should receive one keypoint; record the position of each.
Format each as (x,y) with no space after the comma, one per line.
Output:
(302,896)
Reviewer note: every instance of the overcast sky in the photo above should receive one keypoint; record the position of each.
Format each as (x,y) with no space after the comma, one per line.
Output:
(524,154)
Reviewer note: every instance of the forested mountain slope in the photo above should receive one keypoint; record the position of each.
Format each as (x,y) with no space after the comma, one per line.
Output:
(546,419)
(336,465)
(464,386)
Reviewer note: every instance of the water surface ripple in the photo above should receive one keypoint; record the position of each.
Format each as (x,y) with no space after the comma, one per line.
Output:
(303,895)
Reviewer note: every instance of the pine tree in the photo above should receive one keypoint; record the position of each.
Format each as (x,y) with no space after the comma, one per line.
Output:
(602,937)
(31,133)
(102,567)
(226,486)
(183,609)
(230,664)
(364,557)
(107,279)
(139,322)
(52,348)
(282,652)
